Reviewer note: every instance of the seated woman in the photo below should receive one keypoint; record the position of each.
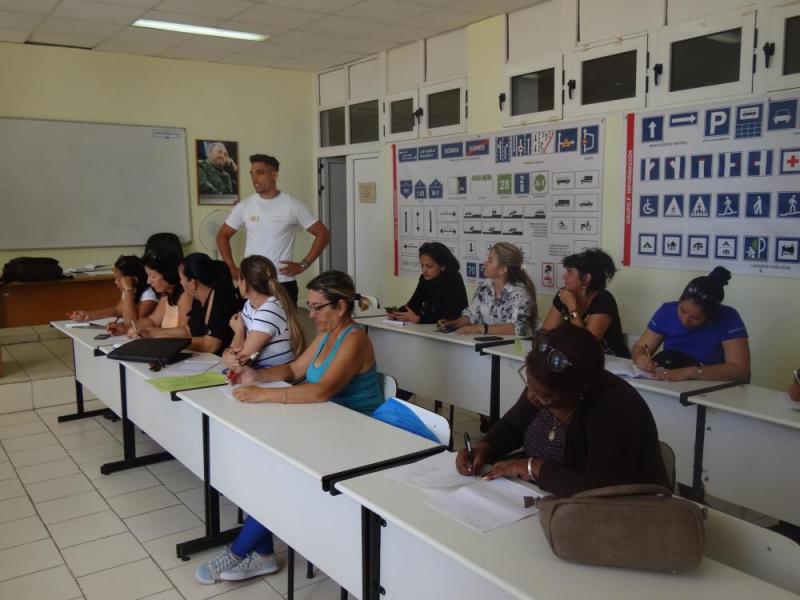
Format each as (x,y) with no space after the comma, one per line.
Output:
(698,329)
(267,327)
(794,389)
(339,366)
(440,293)
(580,426)
(161,267)
(137,299)
(505,303)
(584,300)
(207,285)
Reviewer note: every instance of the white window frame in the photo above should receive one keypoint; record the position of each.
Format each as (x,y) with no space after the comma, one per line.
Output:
(551,61)
(743,19)
(386,115)
(574,60)
(775,79)
(372,146)
(427,90)
(323,151)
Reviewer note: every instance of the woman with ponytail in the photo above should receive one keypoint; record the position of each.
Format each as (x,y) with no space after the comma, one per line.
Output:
(505,302)
(268,325)
(703,338)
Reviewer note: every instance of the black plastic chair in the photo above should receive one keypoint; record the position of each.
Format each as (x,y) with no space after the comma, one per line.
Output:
(164,241)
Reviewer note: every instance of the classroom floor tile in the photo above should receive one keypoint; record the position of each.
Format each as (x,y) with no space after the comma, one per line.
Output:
(22,531)
(58,487)
(16,508)
(127,582)
(162,522)
(258,590)
(48,470)
(125,482)
(85,529)
(15,396)
(70,507)
(279,581)
(180,481)
(7,471)
(11,488)
(51,584)
(35,456)
(86,438)
(14,431)
(162,549)
(108,451)
(37,440)
(142,501)
(103,554)
(183,579)
(25,416)
(28,558)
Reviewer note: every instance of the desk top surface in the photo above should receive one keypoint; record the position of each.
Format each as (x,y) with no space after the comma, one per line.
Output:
(85,336)
(319,439)
(754,402)
(74,278)
(526,565)
(425,331)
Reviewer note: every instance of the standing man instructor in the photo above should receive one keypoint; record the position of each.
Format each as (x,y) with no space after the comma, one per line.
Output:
(271,219)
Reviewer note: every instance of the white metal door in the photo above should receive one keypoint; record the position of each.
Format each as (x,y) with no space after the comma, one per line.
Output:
(365,223)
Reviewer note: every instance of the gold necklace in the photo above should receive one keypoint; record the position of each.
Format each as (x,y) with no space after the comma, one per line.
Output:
(552,435)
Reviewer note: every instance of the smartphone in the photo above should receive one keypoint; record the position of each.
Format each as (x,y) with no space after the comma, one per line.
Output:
(392,309)
(488,338)
(102,336)
(445,329)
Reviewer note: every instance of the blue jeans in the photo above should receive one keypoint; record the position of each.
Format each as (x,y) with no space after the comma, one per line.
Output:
(253,536)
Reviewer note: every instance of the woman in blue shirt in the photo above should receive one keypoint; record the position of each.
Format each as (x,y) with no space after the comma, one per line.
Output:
(700,326)
(338,366)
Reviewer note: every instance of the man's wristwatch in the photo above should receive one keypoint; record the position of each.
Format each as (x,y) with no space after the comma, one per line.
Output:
(573,314)
(305,264)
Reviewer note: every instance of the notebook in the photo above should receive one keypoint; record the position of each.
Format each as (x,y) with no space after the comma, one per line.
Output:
(161,350)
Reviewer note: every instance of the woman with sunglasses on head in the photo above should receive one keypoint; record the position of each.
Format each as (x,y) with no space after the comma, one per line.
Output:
(440,293)
(702,337)
(580,426)
(161,268)
(137,299)
(504,303)
(268,327)
(584,300)
(338,366)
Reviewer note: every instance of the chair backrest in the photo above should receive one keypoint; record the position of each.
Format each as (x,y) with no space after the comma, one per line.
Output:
(374,306)
(668,456)
(630,340)
(755,550)
(388,385)
(165,241)
(436,423)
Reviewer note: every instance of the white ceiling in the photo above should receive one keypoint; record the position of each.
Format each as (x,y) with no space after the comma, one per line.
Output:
(307,35)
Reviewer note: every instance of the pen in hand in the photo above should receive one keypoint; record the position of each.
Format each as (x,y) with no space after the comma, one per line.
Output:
(470,457)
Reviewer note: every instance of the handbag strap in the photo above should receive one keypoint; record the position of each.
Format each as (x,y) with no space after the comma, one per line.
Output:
(631,489)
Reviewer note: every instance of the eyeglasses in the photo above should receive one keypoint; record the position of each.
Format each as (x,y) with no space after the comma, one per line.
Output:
(314,308)
(556,359)
(545,401)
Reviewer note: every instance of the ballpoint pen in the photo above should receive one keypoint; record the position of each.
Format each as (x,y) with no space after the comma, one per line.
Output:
(469,454)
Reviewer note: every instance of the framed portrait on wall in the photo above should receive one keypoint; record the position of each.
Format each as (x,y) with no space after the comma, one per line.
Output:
(217,172)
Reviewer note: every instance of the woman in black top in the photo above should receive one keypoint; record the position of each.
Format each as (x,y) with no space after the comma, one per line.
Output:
(584,300)
(208,283)
(580,426)
(440,293)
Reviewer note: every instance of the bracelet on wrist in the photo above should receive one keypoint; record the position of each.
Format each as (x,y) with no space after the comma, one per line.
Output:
(531,476)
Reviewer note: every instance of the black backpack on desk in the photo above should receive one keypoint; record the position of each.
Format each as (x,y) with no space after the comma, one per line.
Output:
(29,268)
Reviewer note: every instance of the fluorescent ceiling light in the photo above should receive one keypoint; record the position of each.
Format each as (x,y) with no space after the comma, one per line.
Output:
(197,30)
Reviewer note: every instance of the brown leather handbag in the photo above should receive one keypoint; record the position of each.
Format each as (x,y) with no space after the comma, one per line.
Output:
(638,526)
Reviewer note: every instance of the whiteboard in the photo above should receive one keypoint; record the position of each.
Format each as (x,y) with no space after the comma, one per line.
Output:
(72,184)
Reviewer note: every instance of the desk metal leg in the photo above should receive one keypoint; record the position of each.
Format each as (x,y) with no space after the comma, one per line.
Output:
(80,413)
(371,524)
(698,493)
(290,573)
(130,460)
(213,537)
(494,391)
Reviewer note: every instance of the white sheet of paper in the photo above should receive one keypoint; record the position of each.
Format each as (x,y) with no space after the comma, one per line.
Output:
(624,367)
(437,472)
(395,323)
(228,389)
(790,404)
(486,505)
(191,367)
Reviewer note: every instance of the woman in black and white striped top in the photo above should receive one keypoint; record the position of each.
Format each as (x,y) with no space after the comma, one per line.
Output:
(267,326)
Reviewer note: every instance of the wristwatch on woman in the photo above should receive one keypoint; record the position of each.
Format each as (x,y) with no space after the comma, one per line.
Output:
(573,314)
(305,264)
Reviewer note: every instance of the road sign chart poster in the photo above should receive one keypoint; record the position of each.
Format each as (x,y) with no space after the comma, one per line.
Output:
(539,188)
(715,184)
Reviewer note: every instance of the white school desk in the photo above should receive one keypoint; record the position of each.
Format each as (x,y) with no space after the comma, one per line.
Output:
(751,449)
(279,462)
(440,366)
(422,554)
(675,419)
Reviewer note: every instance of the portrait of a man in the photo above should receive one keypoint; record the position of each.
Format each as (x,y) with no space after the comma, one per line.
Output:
(217,172)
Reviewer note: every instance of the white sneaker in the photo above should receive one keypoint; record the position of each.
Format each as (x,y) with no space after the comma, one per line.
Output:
(210,571)
(253,565)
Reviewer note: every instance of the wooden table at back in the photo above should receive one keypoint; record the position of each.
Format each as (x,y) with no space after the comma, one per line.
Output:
(39,302)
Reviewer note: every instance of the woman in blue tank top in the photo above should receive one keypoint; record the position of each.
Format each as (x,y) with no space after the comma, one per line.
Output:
(338,366)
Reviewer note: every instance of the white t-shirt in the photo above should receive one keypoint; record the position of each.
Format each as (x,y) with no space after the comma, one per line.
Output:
(148,294)
(271,226)
(271,319)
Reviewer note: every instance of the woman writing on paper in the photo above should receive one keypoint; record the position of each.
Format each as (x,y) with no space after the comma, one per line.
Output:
(580,426)
(440,292)
(338,366)
(584,300)
(703,338)
(161,268)
(137,299)
(504,303)
(268,325)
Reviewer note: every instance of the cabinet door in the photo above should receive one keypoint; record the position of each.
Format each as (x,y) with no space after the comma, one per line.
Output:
(533,91)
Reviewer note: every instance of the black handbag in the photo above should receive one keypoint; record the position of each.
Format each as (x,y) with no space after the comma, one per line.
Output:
(30,268)
(675,359)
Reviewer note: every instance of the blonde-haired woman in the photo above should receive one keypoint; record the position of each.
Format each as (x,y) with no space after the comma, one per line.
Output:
(268,325)
(505,302)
